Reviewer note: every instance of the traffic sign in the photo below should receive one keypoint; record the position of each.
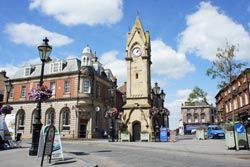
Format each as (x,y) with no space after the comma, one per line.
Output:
(239,128)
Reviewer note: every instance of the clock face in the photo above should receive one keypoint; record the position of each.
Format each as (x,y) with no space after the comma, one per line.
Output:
(136,52)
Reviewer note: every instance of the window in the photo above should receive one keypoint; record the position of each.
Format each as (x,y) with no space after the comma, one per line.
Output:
(246,98)
(56,67)
(241,104)
(53,87)
(86,86)
(67,86)
(23,91)
(136,76)
(11,95)
(50,116)
(65,119)
(235,105)
(203,118)
(20,119)
(27,71)
(196,120)
(189,118)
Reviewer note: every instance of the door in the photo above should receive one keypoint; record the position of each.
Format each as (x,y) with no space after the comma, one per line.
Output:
(136,131)
(82,132)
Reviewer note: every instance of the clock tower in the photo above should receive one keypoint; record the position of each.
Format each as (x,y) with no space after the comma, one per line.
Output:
(138,87)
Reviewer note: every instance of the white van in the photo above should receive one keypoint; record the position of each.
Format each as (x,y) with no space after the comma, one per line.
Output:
(7,128)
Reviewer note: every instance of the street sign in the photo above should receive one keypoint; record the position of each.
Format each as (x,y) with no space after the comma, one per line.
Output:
(239,128)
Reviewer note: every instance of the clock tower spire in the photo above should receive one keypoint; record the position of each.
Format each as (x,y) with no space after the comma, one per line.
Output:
(138,87)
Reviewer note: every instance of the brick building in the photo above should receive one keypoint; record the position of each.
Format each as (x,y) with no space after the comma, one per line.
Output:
(196,114)
(232,102)
(81,96)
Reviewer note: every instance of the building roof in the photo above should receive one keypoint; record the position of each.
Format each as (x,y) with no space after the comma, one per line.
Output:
(68,65)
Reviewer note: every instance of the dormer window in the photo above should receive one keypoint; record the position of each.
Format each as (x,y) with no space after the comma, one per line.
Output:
(56,67)
(28,71)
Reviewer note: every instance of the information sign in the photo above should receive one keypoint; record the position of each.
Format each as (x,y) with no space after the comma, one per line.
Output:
(239,128)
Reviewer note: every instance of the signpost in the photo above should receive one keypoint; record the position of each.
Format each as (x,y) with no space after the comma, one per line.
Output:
(238,130)
(49,140)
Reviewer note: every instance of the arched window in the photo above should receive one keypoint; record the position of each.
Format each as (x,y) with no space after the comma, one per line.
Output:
(203,118)
(65,119)
(189,118)
(196,118)
(20,117)
(32,120)
(50,116)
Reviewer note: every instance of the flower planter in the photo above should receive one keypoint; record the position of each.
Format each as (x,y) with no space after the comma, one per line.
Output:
(201,134)
(145,137)
(229,139)
(125,137)
(241,141)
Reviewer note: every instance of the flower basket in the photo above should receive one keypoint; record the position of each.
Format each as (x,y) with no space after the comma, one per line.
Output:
(42,93)
(6,109)
(112,113)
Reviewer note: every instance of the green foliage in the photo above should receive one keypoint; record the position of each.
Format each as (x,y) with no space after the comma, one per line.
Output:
(225,67)
(197,94)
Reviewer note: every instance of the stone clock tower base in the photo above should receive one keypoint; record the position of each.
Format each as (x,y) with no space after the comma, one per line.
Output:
(136,118)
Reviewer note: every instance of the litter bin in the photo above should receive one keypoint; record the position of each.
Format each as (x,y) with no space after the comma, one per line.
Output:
(163,134)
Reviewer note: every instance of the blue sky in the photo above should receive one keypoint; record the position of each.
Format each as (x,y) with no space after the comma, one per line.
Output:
(185,36)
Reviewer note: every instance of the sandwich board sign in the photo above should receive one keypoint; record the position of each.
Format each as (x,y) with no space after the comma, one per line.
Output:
(57,151)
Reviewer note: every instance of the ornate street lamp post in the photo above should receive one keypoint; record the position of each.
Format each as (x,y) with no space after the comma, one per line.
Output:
(44,53)
(111,127)
(156,90)
(162,95)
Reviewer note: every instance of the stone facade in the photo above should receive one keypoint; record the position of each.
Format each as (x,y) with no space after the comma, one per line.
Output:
(79,88)
(195,115)
(138,87)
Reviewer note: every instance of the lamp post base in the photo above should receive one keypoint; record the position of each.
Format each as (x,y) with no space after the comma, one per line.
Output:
(35,139)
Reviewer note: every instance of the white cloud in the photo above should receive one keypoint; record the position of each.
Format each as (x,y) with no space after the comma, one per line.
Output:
(32,35)
(10,69)
(167,61)
(75,12)
(208,29)
(117,66)
(175,107)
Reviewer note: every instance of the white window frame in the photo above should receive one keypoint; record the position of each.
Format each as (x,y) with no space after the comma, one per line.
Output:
(86,86)
(27,71)
(20,121)
(66,118)
(23,91)
(67,86)
(56,67)
(53,87)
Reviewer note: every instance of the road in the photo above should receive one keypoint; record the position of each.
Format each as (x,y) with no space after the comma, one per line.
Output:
(185,152)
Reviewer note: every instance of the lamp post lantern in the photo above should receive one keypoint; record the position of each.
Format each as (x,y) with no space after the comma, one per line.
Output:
(44,52)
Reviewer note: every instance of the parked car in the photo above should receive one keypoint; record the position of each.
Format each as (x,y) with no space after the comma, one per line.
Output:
(215,132)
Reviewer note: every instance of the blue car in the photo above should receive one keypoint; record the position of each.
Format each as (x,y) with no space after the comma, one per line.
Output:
(215,132)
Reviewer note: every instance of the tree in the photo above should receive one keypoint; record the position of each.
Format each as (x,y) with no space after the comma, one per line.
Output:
(197,94)
(225,67)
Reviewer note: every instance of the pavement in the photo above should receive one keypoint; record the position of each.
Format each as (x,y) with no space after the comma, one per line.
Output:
(19,156)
